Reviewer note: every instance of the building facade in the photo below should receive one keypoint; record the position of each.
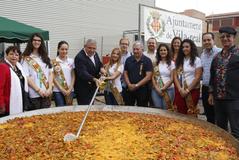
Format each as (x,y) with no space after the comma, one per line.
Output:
(226,19)
(77,20)
(215,21)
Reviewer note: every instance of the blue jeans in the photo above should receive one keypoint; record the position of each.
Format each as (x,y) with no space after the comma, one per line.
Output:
(60,99)
(159,101)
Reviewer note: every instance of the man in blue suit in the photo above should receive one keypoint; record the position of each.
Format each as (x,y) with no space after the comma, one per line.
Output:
(87,68)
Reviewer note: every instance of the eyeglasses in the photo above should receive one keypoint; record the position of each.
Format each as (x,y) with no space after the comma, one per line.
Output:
(124,44)
(36,40)
(225,35)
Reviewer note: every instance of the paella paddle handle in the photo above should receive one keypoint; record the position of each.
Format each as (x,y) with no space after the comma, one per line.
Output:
(86,114)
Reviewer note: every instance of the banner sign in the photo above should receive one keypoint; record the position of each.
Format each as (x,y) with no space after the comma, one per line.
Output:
(164,26)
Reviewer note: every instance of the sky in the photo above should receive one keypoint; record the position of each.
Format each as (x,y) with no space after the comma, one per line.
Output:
(206,6)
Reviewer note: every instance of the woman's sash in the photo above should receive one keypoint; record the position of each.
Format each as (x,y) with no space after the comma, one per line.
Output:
(159,81)
(37,68)
(114,90)
(60,78)
(192,109)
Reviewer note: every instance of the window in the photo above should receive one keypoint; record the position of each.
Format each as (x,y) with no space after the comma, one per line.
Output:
(236,21)
(226,22)
(215,25)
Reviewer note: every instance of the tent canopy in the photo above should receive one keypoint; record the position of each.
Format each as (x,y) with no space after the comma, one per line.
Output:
(15,32)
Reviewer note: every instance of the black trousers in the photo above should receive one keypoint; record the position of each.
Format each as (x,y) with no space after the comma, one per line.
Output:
(228,110)
(208,109)
(84,96)
(39,103)
(125,95)
(140,97)
(151,103)
(4,114)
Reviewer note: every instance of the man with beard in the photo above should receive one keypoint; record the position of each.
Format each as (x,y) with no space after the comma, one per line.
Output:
(151,52)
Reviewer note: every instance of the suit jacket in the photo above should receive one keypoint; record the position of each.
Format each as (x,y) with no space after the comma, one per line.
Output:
(85,72)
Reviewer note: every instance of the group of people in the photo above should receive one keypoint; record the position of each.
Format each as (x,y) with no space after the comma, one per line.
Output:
(161,77)
(29,80)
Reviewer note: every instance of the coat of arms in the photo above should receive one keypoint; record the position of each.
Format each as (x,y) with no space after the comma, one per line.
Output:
(155,24)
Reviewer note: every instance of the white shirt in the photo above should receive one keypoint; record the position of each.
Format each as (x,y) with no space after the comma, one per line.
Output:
(123,60)
(117,82)
(124,57)
(165,71)
(189,71)
(151,56)
(30,72)
(67,66)
(91,57)
(206,58)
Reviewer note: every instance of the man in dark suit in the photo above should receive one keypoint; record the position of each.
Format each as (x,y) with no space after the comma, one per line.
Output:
(87,67)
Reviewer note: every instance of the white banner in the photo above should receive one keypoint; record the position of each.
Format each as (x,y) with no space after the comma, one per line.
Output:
(164,26)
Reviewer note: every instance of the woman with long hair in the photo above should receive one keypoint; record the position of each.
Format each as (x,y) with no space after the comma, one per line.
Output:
(163,92)
(187,77)
(175,46)
(64,76)
(114,70)
(38,68)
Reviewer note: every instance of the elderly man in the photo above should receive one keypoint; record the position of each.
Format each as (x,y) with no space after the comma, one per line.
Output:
(209,52)
(87,68)
(138,73)
(224,84)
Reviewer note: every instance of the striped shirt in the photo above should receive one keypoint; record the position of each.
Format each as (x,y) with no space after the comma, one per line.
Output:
(206,58)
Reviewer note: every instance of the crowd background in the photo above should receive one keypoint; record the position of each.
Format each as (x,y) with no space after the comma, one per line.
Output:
(163,76)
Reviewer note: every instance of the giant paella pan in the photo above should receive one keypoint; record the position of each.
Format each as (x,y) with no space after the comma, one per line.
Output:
(113,132)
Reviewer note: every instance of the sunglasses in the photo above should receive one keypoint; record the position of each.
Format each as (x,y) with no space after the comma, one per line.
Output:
(225,35)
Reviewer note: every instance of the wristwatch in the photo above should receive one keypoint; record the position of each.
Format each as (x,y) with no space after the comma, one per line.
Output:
(136,85)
